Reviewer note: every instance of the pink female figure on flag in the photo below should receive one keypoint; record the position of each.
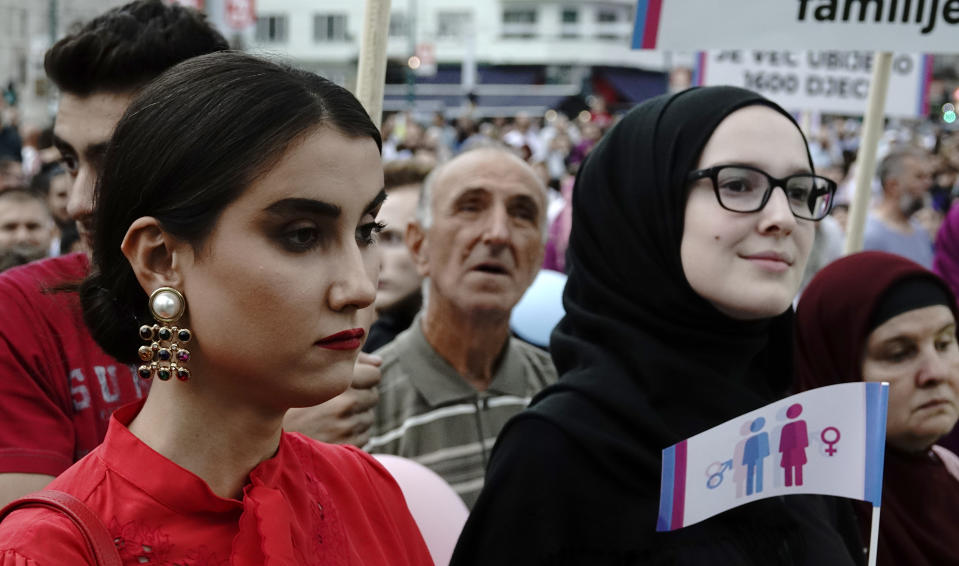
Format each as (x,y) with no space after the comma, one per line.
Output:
(792,445)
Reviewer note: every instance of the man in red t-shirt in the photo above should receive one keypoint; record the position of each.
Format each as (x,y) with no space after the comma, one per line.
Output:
(57,387)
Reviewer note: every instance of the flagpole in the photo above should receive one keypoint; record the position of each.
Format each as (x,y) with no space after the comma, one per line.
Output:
(872,128)
(874,536)
(371,71)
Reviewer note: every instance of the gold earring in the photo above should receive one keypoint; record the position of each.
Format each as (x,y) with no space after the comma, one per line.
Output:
(165,355)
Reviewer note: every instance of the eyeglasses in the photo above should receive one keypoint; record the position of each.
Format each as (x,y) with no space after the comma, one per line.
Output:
(740,188)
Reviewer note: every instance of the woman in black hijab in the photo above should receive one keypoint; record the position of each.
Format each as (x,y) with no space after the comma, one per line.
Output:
(683,269)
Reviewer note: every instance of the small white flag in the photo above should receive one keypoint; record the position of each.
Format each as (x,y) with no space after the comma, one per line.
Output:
(829,441)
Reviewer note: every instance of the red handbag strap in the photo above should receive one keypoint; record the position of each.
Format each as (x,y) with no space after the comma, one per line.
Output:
(98,538)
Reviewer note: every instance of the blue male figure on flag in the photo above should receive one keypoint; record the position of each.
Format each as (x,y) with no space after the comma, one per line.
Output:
(755,451)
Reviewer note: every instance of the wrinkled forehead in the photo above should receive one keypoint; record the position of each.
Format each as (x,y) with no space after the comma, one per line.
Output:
(494,172)
(914,324)
(915,164)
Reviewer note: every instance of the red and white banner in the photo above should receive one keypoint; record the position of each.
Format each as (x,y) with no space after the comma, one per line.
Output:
(240,14)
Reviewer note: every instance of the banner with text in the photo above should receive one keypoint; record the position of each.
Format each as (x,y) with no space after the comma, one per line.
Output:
(831,82)
(829,441)
(909,26)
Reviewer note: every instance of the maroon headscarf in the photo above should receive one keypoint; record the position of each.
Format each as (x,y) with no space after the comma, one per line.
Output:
(833,322)
(835,311)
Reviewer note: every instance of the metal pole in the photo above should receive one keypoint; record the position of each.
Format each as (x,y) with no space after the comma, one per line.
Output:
(410,73)
(52,19)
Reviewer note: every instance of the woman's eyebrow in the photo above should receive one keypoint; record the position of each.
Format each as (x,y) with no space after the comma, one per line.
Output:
(945,327)
(898,338)
(794,170)
(300,205)
(912,335)
(377,201)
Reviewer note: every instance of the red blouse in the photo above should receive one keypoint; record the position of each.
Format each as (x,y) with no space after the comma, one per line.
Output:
(312,503)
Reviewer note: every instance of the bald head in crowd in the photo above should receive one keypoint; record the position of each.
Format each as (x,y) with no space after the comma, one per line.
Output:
(479,235)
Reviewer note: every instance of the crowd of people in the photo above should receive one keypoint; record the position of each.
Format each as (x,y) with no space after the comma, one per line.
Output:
(34,186)
(197,251)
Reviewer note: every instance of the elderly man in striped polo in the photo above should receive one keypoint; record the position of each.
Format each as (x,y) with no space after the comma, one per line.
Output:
(452,380)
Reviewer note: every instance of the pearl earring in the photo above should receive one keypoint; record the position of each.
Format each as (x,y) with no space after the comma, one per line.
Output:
(165,356)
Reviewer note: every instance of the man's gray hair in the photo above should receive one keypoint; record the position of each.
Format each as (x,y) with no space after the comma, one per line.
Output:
(893,164)
(424,206)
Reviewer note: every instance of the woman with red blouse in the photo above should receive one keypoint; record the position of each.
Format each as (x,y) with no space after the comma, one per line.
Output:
(233,258)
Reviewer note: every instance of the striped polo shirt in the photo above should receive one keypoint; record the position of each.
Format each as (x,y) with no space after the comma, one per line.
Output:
(428,413)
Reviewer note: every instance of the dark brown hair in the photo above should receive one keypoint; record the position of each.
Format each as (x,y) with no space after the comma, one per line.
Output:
(126,47)
(189,144)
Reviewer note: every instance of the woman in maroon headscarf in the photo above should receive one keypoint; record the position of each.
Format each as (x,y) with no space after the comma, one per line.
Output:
(874,316)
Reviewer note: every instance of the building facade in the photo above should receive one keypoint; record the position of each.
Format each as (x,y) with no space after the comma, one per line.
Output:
(27,29)
(506,55)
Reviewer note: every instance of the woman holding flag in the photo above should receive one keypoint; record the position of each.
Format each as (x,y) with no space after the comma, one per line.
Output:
(874,316)
(685,256)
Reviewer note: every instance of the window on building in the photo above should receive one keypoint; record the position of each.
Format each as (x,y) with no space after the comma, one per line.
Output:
(399,26)
(453,25)
(612,22)
(569,23)
(607,15)
(519,22)
(519,16)
(21,69)
(271,29)
(329,27)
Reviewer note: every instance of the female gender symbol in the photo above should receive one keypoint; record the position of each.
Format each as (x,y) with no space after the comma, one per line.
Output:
(830,451)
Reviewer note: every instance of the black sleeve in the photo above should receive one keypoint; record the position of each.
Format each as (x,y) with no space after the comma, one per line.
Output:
(543,504)
(527,490)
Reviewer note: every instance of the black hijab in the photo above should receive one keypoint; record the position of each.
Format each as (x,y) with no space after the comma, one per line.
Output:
(637,341)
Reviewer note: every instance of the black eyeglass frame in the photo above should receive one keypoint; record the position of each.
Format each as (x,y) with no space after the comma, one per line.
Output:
(712,173)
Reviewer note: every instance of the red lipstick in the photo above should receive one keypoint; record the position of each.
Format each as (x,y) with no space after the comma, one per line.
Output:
(347,340)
